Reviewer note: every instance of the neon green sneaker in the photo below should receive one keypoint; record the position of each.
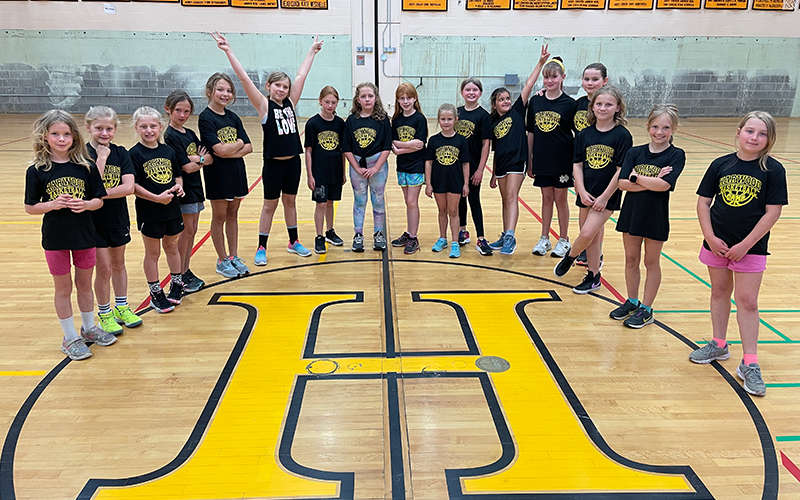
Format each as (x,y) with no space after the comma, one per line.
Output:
(109,324)
(125,316)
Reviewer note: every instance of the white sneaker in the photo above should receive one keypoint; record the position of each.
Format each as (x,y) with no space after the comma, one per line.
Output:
(561,249)
(543,246)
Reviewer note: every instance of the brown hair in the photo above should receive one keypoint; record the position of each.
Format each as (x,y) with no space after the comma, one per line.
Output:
(212,83)
(473,81)
(599,67)
(553,68)
(378,111)
(619,116)
(178,96)
(274,77)
(41,148)
(493,99)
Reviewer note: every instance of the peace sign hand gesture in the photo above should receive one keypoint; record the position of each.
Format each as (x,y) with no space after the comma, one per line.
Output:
(222,42)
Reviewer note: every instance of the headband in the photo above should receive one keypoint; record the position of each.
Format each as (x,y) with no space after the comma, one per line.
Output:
(557,62)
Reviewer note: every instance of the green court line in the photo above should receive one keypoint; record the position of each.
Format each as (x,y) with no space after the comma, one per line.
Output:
(737,342)
(698,278)
(783,385)
(781,439)
(706,311)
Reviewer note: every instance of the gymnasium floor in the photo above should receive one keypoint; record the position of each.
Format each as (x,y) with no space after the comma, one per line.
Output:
(354,376)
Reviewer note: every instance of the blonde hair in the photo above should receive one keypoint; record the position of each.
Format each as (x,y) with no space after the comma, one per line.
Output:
(447,107)
(277,76)
(212,81)
(151,112)
(41,148)
(405,89)
(668,110)
(772,134)
(378,111)
(100,112)
(619,116)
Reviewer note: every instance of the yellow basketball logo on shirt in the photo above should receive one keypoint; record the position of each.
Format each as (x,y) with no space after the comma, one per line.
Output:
(447,155)
(328,140)
(502,128)
(581,122)
(599,156)
(647,170)
(111,176)
(406,133)
(547,121)
(227,135)
(465,128)
(191,149)
(738,190)
(365,136)
(158,170)
(66,185)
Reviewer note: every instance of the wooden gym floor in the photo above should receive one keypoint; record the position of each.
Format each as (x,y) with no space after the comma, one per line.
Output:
(354,376)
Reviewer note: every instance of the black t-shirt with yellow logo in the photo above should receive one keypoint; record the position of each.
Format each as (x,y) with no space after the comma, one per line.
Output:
(509,140)
(186,144)
(366,137)
(325,140)
(476,127)
(448,155)
(601,154)
(551,122)
(114,212)
(63,229)
(741,192)
(226,178)
(581,108)
(405,129)
(646,213)
(156,171)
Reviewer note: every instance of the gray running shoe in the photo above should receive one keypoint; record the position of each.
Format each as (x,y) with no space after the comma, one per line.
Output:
(379,241)
(542,246)
(225,268)
(238,264)
(76,349)
(98,336)
(358,242)
(751,378)
(709,353)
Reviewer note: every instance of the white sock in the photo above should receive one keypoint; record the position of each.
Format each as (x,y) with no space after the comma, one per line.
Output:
(87,320)
(68,325)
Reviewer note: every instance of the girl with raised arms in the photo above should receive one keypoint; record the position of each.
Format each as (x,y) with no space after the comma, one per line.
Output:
(510,153)
(282,148)
(739,200)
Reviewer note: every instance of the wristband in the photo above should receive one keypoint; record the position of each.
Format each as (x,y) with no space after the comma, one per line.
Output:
(202,159)
(633,178)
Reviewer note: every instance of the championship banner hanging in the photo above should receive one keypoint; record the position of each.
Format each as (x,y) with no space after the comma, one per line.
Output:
(678,4)
(425,5)
(787,5)
(488,4)
(535,4)
(583,4)
(630,4)
(726,4)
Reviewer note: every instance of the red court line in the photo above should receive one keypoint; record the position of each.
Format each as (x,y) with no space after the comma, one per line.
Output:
(731,146)
(790,466)
(12,142)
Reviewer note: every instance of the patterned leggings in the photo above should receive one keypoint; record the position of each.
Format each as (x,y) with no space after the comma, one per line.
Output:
(376,185)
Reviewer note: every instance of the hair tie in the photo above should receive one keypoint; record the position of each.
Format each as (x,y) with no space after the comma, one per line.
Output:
(557,62)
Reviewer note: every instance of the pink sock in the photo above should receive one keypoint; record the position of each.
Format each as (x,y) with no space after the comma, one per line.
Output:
(750,358)
(721,343)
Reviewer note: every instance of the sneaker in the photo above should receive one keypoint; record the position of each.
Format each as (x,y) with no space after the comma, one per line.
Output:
(402,240)
(561,249)
(623,311)
(238,264)
(751,378)
(455,250)
(379,241)
(564,265)
(125,316)
(542,246)
(175,293)
(261,257)
(483,247)
(358,242)
(333,238)
(640,318)
(509,245)
(192,283)
(159,302)
(411,246)
(581,260)
(497,245)
(76,349)
(709,352)
(319,245)
(590,283)
(109,324)
(225,268)
(98,336)
(463,237)
(440,245)
(299,249)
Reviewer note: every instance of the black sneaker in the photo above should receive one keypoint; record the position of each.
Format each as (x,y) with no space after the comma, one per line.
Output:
(463,237)
(175,293)
(623,311)
(412,245)
(159,302)
(333,238)
(590,283)
(358,242)
(402,240)
(379,241)
(581,260)
(564,265)
(319,244)
(483,247)
(639,319)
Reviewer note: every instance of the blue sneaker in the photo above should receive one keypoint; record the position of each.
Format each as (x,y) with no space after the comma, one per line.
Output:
(261,257)
(299,249)
(497,245)
(455,250)
(440,245)
(509,245)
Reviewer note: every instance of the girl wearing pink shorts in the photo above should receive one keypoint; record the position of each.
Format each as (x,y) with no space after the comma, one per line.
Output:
(740,199)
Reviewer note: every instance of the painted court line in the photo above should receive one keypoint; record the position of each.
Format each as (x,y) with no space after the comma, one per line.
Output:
(23,373)
(783,439)
(790,466)
(729,146)
(12,142)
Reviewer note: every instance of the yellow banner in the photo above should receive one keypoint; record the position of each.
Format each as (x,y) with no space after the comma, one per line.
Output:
(488,4)
(425,5)
(583,4)
(726,4)
(678,4)
(630,4)
(773,4)
(305,4)
(535,4)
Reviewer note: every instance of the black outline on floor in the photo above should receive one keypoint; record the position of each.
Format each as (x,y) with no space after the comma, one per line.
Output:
(771,476)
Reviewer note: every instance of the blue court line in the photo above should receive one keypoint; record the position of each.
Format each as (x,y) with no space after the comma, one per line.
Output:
(787,438)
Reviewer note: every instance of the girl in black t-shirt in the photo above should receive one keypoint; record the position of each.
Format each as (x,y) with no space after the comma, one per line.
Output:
(599,151)
(280,173)
(409,133)
(648,174)
(192,156)
(740,199)
(511,152)
(158,213)
(595,76)
(325,165)
(65,186)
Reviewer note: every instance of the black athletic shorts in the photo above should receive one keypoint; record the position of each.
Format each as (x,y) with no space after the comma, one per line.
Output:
(280,176)
(326,193)
(562,181)
(517,168)
(113,238)
(158,230)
